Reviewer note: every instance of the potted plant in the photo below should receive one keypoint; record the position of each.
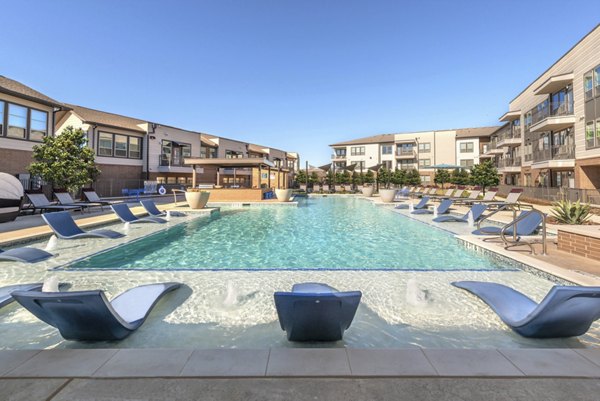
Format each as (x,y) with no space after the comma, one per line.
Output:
(283,194)
(369,179)
(386,193)
(196,198)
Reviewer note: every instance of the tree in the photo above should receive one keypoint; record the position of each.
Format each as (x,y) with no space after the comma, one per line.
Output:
(338,177)
(399,177)
(485,175)
(356,179)
(314,177)
(346,178)
(384,177)
(413,177)
(65,160)
(301,177)
(329,178)
(460,176)
(442,176)
(369,177)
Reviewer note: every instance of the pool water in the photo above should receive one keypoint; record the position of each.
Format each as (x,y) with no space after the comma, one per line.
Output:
(321,233)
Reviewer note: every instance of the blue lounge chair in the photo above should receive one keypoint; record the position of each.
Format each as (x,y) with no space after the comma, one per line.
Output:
(126,216)
(6,292)
(443,208)
(477,211)
(152,210)
(89,316)
(421,205)
(316,312)
(564,312)
(527,225)
(28,255)
(65,227)
(40,202)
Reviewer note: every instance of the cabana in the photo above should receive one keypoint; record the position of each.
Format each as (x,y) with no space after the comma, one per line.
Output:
(261,176)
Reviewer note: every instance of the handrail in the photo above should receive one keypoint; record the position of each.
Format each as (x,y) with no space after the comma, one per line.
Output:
(515,223)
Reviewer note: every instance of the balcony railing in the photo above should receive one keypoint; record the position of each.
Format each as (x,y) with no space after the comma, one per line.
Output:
(559,152)
(168,161)
(509,162)
(549,109)
(407,166)
(336,156)
(403,152)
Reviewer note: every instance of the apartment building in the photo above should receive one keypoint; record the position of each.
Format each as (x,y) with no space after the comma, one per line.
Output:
(414,150)
(26,117)
(551,135)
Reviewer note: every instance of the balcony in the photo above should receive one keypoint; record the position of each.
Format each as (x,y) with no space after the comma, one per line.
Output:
(493,149)
(406,154)
(509,165)
(511,136)
(552,116)
(167,162)
(510,116)
(554,84)
(557,156)
(407,166)
(335,156)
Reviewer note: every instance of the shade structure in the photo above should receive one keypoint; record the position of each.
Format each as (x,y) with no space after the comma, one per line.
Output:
(350,167)
(376,167)
(11,195)
(325,167)
(446,166)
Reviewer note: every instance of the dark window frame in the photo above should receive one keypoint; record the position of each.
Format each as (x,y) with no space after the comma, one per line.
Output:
(113,147)
(5,117)
(357,151)
(466,148)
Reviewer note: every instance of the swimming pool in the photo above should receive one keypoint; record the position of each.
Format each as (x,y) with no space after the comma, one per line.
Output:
(321,233)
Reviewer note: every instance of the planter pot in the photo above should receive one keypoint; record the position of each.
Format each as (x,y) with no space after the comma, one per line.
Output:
(387,195)
(197,200)
(367,191)
(283,195)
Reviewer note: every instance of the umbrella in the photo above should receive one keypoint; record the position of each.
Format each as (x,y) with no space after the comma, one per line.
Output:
(325,167)
(446,166)
(376,167)
(350,167)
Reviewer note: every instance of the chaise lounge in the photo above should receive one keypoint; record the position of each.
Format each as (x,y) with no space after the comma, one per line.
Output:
(443,208)
(126,216)
(6,292)
(421,205)
(566,311)
(316,312)
(476,210)
(26,255)
(152,210)
(89,316)
(65,227)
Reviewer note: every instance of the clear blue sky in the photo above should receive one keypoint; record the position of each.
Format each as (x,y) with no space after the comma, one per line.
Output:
(296,75)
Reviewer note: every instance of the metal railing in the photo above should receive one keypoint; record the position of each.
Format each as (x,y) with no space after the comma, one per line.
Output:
(336,156)
(401,152)
(167,161)
(508,162)
(548,109)
(553,194)
(560,152)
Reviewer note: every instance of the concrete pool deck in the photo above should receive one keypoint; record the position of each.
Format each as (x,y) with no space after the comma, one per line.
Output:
(275,374)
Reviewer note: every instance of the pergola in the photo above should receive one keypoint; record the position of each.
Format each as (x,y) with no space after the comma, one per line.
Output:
(218,163)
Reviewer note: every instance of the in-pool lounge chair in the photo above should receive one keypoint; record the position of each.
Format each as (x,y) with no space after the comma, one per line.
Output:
(89,316)
(477,211)
(527,223)
(126,216)
(566,311)
(40,202)
(65,199)
(65,227)
(92,196)
(152,210)
(316,312)
(27,255)
(443,208)
(6,292)
(422,204)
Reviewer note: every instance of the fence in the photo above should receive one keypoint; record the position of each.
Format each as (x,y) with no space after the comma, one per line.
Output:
(553,194)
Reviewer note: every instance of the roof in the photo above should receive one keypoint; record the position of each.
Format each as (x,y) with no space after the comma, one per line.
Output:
(207,142)
(366,140)
(257,149)
(97,117)
(14,88)
(475,132)
(226,162)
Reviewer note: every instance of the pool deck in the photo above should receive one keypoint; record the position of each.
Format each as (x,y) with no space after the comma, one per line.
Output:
(275,374)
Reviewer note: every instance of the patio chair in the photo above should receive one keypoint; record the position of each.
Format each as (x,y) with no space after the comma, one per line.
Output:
(126,216)
(566,311)
(92,196)
(422,204)
(316,312)
(446,195)
(473,195)
(443,208)
(152,210)
(477,211)
(25,255)
(40,202)
(89,316)
(65,227)
(6,292)
(488,197)
(65,199)
(512,199)
(527,223)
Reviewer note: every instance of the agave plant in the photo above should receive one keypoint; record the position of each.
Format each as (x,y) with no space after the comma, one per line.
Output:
(567,212)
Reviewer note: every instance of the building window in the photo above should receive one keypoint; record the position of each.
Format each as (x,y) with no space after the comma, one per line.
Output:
(360,165)
(468,163)
(588,86)
(387,164)
(120,146)
(357,151)
(425,147)
(340,152)
(212,153)
(589,134)
(466,147)
(406,164)
(1,118)
(387,149)
(17,121)
(232,154)
(597,80)
(135,147)
(105,144)
(426,179)
(339,165)
(38,125)
(173,153)
(424,162)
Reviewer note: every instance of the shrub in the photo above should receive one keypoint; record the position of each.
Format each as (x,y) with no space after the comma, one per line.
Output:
(567,212)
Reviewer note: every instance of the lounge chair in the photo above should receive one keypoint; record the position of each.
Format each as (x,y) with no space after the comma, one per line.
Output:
(40,202)
(443,208)
(473,195)
(566,311)
(488,197)
(527,223)
(152,210)
(89,316)
(477,211)
(512,199)
(422,204)
(6,292)
(26,255)
(446,195)
(126,216)
(65,227)
(92,196)
(316,312)
(65,199)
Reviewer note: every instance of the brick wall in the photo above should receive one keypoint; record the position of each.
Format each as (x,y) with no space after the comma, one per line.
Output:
(579,244)
(14,161)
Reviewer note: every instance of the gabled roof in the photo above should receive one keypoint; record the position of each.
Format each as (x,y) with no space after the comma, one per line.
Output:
(14,88)
(97,117)
(207,142)
(366,140)
(475,132)
(257,149)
